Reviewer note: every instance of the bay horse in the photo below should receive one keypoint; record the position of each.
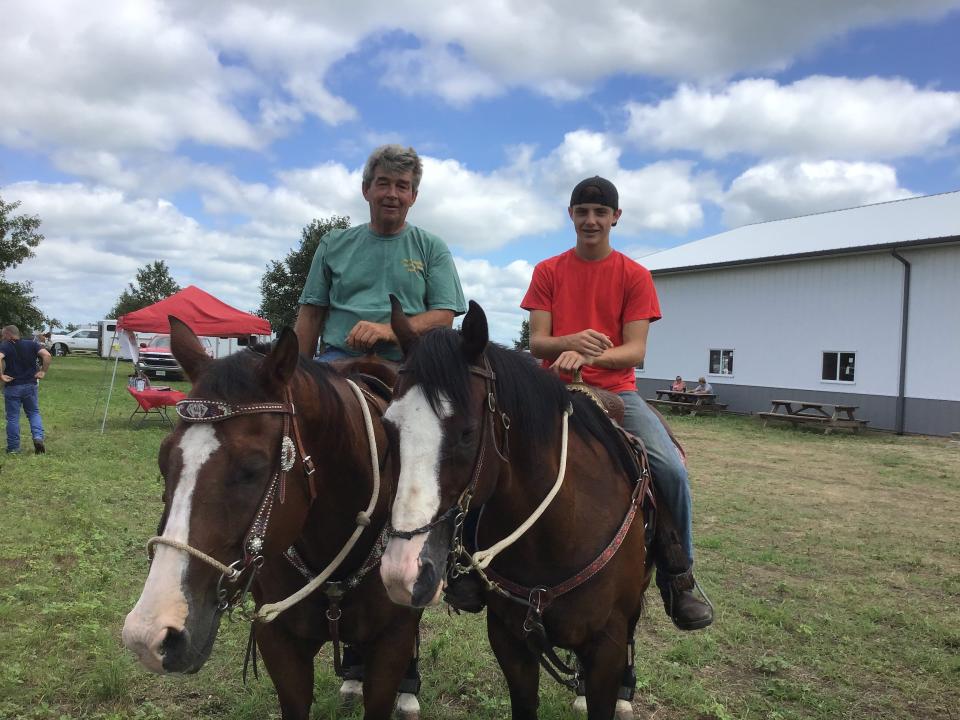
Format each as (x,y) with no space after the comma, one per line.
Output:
(483,426)
(267,475)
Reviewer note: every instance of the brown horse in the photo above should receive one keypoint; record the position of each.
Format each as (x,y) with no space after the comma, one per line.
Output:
(249,476)
(482,426)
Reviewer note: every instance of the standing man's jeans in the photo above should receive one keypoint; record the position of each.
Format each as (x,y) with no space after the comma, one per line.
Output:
(15,396)
(669,474)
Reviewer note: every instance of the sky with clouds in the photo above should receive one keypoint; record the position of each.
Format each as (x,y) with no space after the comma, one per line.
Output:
(208,134)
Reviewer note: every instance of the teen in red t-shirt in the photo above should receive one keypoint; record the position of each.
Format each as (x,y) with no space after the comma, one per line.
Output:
(590,309)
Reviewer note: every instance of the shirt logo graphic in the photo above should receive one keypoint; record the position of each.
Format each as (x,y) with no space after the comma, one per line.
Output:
(414,266)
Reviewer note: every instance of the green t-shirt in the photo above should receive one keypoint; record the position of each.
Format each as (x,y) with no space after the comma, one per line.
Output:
(354,271)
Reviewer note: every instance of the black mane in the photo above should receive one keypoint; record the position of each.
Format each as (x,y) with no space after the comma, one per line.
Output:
(534,398)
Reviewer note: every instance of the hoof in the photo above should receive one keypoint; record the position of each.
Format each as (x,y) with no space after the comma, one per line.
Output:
(580,705)
(351,693)
(624,710)
(408,707)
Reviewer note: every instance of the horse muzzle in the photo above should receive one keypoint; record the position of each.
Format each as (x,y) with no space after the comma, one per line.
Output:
(414,570)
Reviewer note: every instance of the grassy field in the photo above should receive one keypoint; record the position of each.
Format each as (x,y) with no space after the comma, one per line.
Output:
(834,563)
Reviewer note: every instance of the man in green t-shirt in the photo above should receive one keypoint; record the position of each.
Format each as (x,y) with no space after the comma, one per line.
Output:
(347,299)
(346,296)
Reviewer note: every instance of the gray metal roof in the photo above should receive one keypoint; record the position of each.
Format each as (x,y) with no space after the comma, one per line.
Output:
(919,220)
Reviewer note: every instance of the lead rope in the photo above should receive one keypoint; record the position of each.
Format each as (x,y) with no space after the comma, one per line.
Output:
(482,558)
(268,613)
(229,572)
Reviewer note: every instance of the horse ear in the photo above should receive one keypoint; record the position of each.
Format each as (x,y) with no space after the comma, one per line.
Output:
(400,324)
(280,363)
(474,332)
(186,348)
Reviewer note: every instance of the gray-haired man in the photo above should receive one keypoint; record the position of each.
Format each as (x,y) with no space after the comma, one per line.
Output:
(346,296)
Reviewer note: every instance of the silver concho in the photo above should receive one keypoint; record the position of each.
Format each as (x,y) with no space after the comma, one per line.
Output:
(288,454)
(255,545)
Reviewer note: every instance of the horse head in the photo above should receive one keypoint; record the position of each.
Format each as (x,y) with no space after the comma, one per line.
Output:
(440,415)
(229,467)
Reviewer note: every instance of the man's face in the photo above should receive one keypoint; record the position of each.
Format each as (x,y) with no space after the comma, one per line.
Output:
(390,196)
(593,222)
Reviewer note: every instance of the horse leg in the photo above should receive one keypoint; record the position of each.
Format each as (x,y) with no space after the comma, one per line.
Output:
(520,667)
(289,661)
(604,662)
(386,661)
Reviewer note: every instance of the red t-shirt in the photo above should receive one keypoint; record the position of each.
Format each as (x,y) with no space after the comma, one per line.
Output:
(602,295)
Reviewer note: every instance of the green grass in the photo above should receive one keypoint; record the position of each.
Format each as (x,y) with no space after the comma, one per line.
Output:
(834,563)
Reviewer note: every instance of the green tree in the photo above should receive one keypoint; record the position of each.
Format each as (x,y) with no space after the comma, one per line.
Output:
(283,280)
(523,343)
(18,238)
(153,283)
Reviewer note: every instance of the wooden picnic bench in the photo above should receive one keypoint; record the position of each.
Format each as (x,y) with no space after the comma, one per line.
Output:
(803,412)
(694,403)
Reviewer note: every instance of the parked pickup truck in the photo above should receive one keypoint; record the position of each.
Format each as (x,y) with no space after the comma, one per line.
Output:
(157,361)
(82,340)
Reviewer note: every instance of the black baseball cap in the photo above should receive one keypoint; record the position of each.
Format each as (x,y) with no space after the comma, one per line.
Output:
(595,190)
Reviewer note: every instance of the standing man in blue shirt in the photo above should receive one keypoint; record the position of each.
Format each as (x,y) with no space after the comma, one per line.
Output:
(18,370)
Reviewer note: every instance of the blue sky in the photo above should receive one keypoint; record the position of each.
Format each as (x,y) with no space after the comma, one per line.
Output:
(208,135)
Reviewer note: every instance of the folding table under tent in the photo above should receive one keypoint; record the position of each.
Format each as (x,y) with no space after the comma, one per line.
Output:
(201,311)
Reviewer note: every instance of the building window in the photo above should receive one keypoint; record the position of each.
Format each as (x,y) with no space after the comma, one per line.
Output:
(721,362)
(838,366)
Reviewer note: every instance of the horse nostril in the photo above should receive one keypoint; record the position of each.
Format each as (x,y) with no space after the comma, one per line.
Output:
(173,643)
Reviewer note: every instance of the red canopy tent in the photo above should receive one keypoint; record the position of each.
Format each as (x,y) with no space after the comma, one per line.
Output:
(205,314)
(201,311)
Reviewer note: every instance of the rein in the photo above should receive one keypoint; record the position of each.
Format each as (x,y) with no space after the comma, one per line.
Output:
(194,410)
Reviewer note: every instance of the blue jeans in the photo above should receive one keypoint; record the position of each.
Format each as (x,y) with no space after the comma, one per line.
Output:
(669,474)
(331,354)
(15,396)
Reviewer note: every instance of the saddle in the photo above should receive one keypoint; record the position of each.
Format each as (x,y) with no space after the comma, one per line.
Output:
(375,375)
(609,402)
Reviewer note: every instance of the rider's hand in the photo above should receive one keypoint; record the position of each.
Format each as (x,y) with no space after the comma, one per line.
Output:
(366,334)
(589,343)
(569,361)
(39,375)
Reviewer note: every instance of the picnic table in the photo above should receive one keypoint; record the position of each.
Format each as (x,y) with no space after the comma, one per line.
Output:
(830,416)
(154,401)
(694,403)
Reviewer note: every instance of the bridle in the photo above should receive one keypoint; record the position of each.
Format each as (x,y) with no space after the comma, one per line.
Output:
(457,512)
(230,591)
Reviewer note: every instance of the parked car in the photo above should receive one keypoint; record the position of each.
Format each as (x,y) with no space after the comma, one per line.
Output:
(156,360)
(82,340)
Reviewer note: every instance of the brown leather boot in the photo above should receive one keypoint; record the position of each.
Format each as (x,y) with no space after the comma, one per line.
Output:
(684,608)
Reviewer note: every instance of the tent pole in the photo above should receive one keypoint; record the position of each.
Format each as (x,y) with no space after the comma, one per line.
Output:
(106,407)
(103,373)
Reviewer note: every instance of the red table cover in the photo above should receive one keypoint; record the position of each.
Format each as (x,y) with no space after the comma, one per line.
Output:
(149,399)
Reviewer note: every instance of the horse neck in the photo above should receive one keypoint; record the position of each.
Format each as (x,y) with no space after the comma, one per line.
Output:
(528,478)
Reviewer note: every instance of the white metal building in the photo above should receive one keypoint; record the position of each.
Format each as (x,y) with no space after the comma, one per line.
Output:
(859,306)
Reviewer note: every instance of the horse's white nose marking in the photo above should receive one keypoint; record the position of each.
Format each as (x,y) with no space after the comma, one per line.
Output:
(163,603)
(421,432)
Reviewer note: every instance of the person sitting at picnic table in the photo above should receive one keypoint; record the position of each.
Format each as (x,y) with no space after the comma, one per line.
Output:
(679,385)
(704,388)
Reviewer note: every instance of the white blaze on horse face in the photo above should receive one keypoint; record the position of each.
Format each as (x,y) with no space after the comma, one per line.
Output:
(421,432)
(163,603)
(418,489)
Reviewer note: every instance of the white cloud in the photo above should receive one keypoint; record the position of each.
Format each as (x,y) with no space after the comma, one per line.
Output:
(499,291)
(96,238)
(817,117)
(154,74)
(661,197)
(787,188)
